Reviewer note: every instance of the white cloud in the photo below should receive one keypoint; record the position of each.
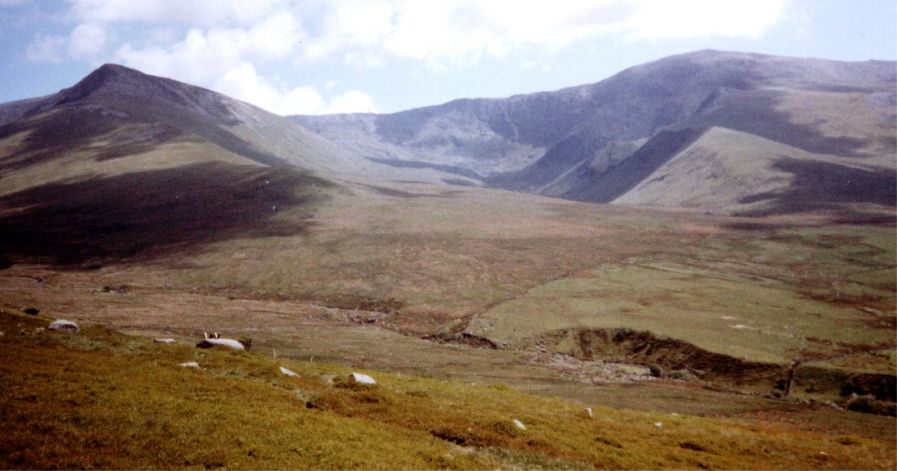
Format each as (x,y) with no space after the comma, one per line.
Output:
(222,44)
(203,13)
(46,49)
(87,40)
(364,60)
(663,19)
(203,56)
(451,32)
(225,59)
(352,101)
(244,83)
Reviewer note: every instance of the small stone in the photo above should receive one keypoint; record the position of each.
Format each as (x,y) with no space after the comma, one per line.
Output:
(361,378)
(64,326)
(519,424)
(189,364)
(658,424)
(164,340)
(288,372)
(589,412)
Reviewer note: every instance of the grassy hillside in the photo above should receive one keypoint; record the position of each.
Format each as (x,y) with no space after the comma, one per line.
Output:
(744,173)
(521,266)
(727,297)
(202,221)
(101,399)
(523,272)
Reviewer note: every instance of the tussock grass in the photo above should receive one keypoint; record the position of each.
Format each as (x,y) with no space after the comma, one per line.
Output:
(104,400)
(774,296)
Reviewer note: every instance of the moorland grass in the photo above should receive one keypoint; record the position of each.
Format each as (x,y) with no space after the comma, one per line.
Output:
(99,399)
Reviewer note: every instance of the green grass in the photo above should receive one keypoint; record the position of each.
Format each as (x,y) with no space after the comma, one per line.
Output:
(522,265)
(445,256)
(446,259)
(773,297)
(103,400)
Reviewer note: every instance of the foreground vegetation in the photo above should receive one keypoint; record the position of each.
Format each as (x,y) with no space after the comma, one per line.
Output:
(99,399)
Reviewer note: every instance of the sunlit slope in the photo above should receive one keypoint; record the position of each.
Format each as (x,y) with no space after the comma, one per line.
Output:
(726,170)
(601,141)
(97,399)
(126,164)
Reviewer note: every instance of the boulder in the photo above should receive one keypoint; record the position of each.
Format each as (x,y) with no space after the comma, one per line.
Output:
(229,343)
(165,341)
(288,372)
(361,379)
(64,326)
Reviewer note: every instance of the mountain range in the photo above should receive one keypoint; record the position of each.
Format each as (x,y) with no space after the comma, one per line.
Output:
(720,131)
(708,234)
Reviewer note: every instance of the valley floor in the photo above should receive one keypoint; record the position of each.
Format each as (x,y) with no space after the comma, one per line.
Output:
(306,331)
(604,306)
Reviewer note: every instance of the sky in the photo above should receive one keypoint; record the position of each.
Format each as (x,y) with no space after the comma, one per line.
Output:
(318,56)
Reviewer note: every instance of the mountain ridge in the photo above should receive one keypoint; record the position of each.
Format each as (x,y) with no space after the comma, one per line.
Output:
(595,142)
(533,142)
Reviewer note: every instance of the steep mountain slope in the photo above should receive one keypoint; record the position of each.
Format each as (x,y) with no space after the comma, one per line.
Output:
(125,163)
(760,176)
(597,142)
(116,112)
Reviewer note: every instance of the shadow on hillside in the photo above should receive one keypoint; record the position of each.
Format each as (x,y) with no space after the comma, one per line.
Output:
(137,130)
(145,215)
(395,193)
(57,133)
(453,169)
(626,175)
(826,186)
(760,113)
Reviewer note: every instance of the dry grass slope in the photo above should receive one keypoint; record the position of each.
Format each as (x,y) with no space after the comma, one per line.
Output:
(99,399)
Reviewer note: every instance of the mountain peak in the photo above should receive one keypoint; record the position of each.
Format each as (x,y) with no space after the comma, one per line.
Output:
(117,81)
(115,68)
(100,78)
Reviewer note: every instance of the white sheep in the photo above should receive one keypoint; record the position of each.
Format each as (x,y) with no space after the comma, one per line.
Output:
(215,340)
